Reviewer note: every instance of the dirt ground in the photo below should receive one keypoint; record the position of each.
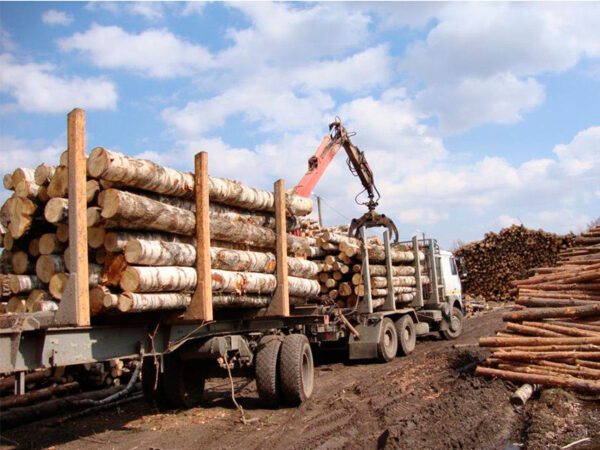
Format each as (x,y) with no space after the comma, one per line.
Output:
(428,400)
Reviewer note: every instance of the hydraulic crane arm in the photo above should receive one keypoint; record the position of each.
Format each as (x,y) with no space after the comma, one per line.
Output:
(317,164)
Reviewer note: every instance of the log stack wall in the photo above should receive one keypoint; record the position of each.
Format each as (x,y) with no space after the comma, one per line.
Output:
(141,238)
(552,336)
(499,258)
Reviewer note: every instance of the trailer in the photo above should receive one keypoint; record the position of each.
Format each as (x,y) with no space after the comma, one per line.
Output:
(178,351)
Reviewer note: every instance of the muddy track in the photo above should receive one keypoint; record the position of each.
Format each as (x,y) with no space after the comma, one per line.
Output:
(427,400)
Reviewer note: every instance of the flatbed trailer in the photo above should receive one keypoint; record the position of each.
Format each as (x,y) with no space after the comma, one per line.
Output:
(180,350)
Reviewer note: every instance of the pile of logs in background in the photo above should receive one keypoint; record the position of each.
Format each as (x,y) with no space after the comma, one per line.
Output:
(552,337)
(341,277)
(492,263)
(141,227)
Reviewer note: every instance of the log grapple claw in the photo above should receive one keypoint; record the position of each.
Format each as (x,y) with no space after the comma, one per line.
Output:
(370,220)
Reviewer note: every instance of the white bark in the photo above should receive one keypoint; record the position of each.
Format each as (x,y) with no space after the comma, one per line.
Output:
(133,302)
(147,175)
(24,283)
(158,279)
(116,241)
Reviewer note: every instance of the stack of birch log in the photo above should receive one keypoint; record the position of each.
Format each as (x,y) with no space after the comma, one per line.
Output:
(492,263)
(553,336)
(141,227)
(341,275)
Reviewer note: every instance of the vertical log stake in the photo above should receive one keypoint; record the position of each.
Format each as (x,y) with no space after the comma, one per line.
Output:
(74,307)
(390,300)
(201,307)
(280,305)
(418,301)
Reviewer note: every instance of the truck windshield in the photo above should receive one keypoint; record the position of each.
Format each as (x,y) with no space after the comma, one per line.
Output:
(453,268)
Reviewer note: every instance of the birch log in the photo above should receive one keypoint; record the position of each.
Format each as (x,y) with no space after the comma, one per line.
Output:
(34,247)
(16,305)
(62,232)
(37,295)
(164,279)
(43,174)
(22,174)
(49,244)
(56,210)
(147,175)
(58,284)
(21,263)
(27,189)
(19,211)
(48,265)
(44,305)
(7,181)
(59,184)
(92,188)
(24,283)
(97,294)
(115,241)
(381,282)
(133,302)
(160,253)
(397,271)
(158,279)
(142,211)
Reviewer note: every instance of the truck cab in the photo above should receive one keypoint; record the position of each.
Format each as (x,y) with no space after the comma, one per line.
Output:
(450,277)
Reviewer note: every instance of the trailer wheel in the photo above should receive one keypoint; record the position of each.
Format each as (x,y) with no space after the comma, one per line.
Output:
(407,336)
(266,368)
(183,381)
(153,384)
(388,341)
(456,325)
(297,369)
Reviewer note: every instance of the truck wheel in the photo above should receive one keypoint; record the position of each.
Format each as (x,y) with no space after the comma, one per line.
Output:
(266,365)
(456,325)
(388,341)
(296,368)
(407,336)
(183,381)
(152,384)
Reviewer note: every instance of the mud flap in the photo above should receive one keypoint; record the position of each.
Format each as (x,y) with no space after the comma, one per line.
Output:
(366,346)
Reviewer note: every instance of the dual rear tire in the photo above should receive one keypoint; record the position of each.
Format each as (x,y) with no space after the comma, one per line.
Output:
(284,370)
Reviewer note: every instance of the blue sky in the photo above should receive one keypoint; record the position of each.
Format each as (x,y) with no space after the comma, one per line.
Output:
(473,116)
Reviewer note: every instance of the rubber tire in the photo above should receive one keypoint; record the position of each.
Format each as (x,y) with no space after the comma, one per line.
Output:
(454,334)
(266,371)
(407,335)
(155,397)
(387,347)
(296,369)
(183,381)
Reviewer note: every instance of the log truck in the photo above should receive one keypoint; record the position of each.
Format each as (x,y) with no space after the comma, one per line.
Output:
(177,356)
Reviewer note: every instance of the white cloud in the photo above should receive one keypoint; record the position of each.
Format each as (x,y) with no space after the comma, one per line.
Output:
(154,52)
(293,34)
(474,101)
(55,17)
(479,60)
(148,10)
(582,155)
(558,220)
(273,109)
(36,89)
(192,8)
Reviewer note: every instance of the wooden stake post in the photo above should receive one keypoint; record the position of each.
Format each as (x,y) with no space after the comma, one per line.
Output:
(390,301)
(74,309)
(201,307)
(418,301)
(280,305)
